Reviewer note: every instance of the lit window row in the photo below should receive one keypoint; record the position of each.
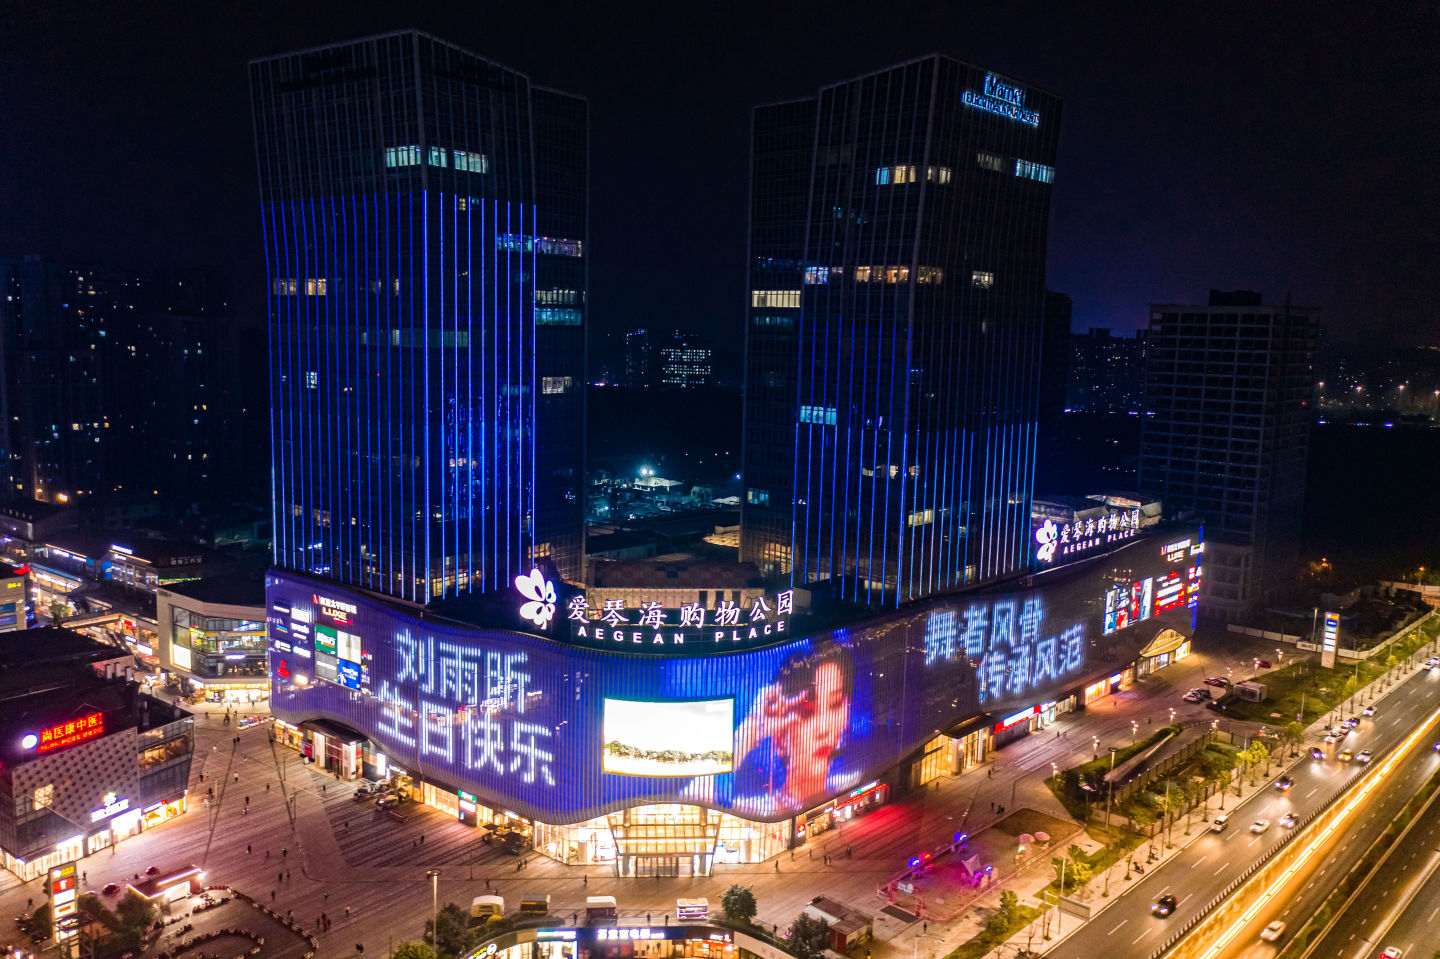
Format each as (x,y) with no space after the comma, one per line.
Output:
(982,279)
(550,385)
(557,297)
(780,321)
(1035,171)
(815,275)
(558,246)
(990,161)
(820,415)
(757,497)
(409,155)
(315,286)
(557,316)
(775,299)
(909,173)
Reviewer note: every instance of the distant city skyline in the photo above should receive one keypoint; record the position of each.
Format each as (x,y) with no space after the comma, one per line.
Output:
(1273,164)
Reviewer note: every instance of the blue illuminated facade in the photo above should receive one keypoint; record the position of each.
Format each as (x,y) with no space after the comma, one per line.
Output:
(897,265)
(515,714)
(425,223)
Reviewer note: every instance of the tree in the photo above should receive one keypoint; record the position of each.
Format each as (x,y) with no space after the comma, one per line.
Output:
(412,950)
(809,936)
(1292,735)
(738,903)
(134,911)
(998,923)
(1009,903)
(58,609)
(454,937)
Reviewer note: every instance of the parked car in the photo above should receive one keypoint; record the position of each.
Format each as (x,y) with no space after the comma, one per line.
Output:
(110,889)
(1191,697)
(1164,906)
(1273,932)
(1287,821)
(1259,826)
(1217,681)
(1262,663)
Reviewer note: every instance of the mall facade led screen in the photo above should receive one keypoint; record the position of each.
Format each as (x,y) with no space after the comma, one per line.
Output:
(563,733)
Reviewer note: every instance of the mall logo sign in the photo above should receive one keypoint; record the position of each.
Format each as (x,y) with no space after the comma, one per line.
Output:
(652,624)
(540,595)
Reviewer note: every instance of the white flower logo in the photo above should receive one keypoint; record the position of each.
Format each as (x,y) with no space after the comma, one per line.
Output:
(1046,536)
(541,594)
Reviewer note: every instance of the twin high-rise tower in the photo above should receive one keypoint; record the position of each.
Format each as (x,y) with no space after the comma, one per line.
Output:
(897,293)
(425,216)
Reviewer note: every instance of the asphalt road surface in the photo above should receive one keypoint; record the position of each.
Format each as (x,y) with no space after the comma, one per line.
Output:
(1203,869)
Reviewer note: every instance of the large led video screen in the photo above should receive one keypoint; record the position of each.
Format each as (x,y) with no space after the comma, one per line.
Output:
(669,739)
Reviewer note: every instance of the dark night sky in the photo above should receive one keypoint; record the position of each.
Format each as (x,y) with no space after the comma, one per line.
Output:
(1290,149)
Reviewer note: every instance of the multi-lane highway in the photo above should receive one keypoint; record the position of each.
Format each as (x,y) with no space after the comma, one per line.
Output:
(1202,870)
(1399,906)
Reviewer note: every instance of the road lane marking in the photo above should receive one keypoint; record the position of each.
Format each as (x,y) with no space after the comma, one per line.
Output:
(1223,867)
(1117,928)
(1143,935)
(1199,861)
(1311,792)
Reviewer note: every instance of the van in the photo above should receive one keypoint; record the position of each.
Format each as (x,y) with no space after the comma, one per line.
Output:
(535,904)
(483,907)
(692,910)
(600,910)
(1219,823)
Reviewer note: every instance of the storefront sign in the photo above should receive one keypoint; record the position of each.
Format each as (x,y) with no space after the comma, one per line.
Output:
(1016,719)
(111,807)
(336,610)
(67,734)
(767,619)
(64,919)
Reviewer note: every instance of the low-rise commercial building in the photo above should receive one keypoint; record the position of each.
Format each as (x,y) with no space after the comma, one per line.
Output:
(86,759)
(213,637)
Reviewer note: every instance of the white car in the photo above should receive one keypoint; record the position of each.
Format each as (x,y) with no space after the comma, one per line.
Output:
(1368,711)
(1273,931)
(1259,826)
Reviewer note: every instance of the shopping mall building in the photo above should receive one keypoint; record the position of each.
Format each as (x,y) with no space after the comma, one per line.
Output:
(666,739)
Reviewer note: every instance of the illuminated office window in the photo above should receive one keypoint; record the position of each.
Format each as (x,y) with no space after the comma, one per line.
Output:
(922,517)
(990,161)
(817,274)
(402,156)
(929,274)
(315,286)
(286,287)
(472,162)
(438,157)
(312,380)
(1034,171)
(757,497)
(819,415)
(903,173)
(982,279)
(780,321)
(559,246)
(775,299)
(557,297)
(937,174)
(557,316)
(550,385)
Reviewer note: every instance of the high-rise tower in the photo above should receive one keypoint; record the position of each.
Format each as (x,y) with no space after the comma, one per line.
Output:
(897,293)
(425,215)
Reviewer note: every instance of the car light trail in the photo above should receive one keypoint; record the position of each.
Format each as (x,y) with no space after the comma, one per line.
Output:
(1367,786)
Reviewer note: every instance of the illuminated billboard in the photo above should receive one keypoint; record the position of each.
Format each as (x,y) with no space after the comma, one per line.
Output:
(561,731)
(672,739)
(67,734)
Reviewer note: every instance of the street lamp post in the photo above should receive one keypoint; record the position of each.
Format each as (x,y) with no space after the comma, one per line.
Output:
(1134,730)
(434,875)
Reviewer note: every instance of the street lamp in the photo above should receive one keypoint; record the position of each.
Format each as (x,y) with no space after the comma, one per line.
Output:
(434,875)
(1094,746)
(1134,730)
(1172,715)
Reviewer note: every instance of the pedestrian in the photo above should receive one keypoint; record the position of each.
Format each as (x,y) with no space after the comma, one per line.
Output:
(267,787)
(992,805)
(202,777)
(247,800)
(323,787)
(811,854)
(272,895)
(327,897)
(848,852)
(247,849)
(990,773)
(347,912)
(647,918)
(290,914)
(287,875)
(347,825)
(267,854)
(792,855)
(280,877)
(85,877)
(422,839)
(284,852)
(237,777)
(924,928)
(777,865)
(586,880)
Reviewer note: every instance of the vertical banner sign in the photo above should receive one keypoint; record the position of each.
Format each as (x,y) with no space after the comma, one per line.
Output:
(64,917)
(1327,640)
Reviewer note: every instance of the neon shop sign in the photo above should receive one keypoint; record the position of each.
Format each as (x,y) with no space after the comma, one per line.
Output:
(1006,642)
(764,619)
